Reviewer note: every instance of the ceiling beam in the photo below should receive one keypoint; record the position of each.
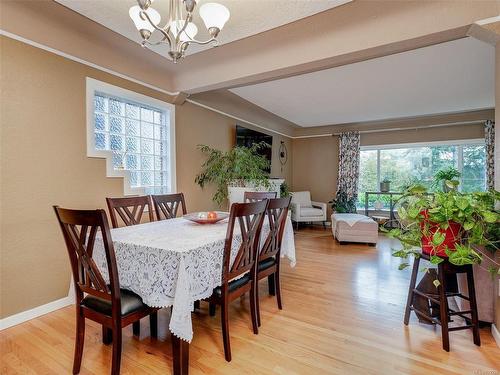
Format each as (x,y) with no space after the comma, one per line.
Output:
(353,32)
(235,106)
(487,30)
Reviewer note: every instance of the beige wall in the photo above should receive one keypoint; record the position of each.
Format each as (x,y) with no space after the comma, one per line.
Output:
(43,162)
(196,125)
(315,160)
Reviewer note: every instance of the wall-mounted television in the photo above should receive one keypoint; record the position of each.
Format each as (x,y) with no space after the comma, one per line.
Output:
(247,137)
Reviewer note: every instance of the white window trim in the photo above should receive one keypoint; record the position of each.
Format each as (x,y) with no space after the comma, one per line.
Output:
(93,86)
(458,142)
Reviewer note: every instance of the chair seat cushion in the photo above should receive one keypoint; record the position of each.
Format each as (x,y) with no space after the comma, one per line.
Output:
(266,263)
(310,212)
(130,302)
(234,284)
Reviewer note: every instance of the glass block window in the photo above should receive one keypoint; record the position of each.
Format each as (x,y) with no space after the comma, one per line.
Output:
(138,137)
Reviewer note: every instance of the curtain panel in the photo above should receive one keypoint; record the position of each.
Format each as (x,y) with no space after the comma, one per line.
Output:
(489,136)
(348,176)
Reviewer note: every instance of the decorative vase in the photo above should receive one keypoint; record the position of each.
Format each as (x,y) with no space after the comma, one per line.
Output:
(385,187)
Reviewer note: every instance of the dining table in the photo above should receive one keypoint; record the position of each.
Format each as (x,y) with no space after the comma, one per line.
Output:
(173,263)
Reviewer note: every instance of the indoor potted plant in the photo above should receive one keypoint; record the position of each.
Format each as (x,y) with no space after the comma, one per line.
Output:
(284,190)
(450,225)
(342,204)
(233,171)
(385,185)
(447,179)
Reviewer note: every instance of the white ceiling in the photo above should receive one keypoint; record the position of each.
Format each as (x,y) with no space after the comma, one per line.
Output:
(448,77)
(248,17)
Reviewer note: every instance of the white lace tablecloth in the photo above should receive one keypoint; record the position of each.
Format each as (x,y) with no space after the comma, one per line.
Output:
(175,263)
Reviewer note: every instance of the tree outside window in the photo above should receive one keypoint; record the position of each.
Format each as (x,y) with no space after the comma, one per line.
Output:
(418,164)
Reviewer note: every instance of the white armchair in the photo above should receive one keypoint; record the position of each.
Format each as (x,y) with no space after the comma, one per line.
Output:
(305,210)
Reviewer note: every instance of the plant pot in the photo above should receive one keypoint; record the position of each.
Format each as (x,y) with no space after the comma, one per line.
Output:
(385,187)
(450,241)
(446,188)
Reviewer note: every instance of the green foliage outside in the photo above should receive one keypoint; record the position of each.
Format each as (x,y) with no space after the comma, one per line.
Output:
(408,166)
(239,166)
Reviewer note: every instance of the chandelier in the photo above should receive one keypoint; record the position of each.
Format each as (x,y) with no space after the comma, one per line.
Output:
(179,32)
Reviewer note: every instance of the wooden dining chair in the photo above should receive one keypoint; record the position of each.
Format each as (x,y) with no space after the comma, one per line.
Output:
(269,256)
(239,277)
(168,205)
(104,303)
(253,196)
(130,209)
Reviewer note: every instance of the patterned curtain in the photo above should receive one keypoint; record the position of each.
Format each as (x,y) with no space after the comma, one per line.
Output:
(489,135)
(347,181)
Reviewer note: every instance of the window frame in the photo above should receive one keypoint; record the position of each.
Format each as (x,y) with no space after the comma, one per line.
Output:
(94,86)
(458,143)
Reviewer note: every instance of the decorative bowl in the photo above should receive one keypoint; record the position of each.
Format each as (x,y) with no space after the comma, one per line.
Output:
(211,217)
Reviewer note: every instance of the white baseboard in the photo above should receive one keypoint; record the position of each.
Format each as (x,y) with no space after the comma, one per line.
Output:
(496,334)
(35,312)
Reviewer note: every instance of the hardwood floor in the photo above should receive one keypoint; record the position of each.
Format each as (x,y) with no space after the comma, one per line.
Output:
(343,314)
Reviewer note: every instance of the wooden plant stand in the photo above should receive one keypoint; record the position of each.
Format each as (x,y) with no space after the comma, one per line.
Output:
(446,269)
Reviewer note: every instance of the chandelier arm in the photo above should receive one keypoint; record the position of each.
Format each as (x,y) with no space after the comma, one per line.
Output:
(162,41)
(166,36)
(199,42)
(188,19)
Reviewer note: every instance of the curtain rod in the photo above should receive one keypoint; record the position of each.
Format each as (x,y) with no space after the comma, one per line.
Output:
(416,127)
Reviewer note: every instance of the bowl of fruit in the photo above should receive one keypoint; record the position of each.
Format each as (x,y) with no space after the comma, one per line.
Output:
(210,217)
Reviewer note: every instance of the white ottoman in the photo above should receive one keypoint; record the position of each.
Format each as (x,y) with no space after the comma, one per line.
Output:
(354,228)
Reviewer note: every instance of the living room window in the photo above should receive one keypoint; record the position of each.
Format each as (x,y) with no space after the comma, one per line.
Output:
(135,132)
(406,164)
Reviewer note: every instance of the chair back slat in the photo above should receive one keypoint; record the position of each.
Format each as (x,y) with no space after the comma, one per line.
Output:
(168,205)
(80,228)
(254,196)
(250,217)
(277,212)
(129,209)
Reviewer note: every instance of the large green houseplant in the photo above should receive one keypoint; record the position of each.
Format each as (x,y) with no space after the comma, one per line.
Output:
(449,224)
(239,166)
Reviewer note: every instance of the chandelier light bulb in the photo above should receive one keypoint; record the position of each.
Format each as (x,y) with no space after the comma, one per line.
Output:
(144,24)
(189,32)
(214,15)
